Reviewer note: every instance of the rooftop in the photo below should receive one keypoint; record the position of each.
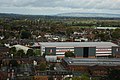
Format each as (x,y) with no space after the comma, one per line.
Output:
(19,47)
(107,27)
(77,44)
(93,62)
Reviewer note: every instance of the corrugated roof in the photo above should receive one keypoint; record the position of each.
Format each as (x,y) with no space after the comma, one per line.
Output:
(92,62)
(107,27)
(77,44)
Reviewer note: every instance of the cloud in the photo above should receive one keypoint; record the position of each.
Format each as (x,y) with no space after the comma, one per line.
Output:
(55,6)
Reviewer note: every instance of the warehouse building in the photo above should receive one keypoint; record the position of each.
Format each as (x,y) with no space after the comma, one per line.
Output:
(96,67)
(80,49)
(105,28)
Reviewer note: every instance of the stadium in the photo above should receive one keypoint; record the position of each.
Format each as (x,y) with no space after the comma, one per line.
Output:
(80,49)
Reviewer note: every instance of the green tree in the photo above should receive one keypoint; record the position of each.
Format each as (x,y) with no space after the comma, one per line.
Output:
(30,52)
(69,30)
(52,66)
(25,34)
(37,52)
(20,53)
(67,78)
(69,54)
(85,77)
(103,36)
(13,63)
(13,50)
(116,34)
(42,66)
(76,78)
(114,75)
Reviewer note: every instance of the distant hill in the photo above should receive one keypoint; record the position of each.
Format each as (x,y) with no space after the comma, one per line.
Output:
(104,15)
(8,15)
(23,16)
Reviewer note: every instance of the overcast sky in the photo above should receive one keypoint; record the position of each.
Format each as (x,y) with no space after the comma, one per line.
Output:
(50,7)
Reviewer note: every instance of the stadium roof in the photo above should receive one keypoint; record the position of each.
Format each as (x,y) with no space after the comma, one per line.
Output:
(77,44)
(24,48)
(93,62)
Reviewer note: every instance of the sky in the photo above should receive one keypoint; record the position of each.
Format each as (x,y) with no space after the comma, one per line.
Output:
(52,7)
